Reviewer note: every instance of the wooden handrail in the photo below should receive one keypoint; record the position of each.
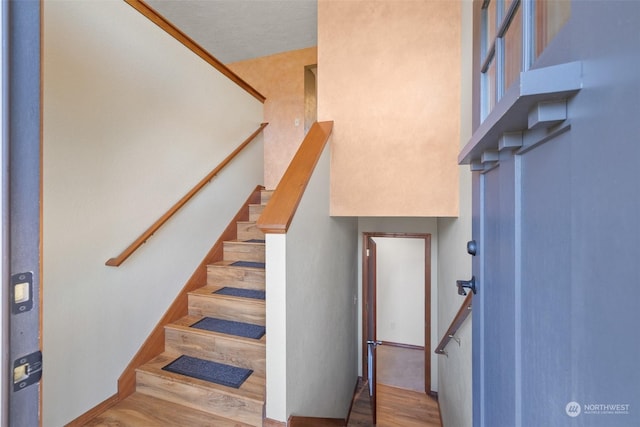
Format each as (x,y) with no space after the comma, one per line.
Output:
(279,212)
(457,321)
(188,42)
(115,262)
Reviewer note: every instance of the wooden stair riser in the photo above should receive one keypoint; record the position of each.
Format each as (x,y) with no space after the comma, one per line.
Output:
(243,251)
(244,353)
(247,230)
(238,309)
(202,399)
(255,211)
(237,277)
(265,196)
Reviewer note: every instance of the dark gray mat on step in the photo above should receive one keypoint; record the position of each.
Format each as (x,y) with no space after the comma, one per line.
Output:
(230,376)
(254,241)
(230,327)
(248,264)
(239,292)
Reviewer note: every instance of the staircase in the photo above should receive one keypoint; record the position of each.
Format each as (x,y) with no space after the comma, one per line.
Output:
(233,296)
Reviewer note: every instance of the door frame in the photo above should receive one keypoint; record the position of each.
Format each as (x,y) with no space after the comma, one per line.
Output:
(427,298)
(21,210)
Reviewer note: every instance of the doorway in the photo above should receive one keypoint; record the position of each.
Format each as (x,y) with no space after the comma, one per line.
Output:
(396,316)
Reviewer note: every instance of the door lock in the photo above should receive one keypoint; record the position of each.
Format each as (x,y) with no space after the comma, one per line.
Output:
(27,370)
(470,284)
(22,292)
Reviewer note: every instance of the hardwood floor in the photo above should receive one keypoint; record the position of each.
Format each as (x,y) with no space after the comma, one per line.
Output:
(406,408)
(140,410)
(396,407)
(361,410)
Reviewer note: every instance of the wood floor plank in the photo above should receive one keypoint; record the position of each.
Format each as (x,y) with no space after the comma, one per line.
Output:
(396,408)
(361,414)
(140,410)
(406,408)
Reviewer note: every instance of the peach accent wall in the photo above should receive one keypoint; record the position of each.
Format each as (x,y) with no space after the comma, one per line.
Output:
(389,76)
(280,78)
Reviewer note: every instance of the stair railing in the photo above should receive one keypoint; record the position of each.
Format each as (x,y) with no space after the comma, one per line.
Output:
(190,44)
(116,261)
(458,320)
(279,212)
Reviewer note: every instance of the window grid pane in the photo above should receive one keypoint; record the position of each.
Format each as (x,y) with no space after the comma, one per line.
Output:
(491,23)
(489,89)
(550,15)
(513,50)
(484,44)
(505,55)
(507,4)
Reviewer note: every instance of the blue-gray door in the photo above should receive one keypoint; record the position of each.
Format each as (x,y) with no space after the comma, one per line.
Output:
(556,189)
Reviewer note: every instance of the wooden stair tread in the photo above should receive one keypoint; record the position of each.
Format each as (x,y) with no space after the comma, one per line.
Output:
(184,324)
(251,389)
(141,410)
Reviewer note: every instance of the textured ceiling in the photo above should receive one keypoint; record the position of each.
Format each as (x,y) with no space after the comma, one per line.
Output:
(234,30)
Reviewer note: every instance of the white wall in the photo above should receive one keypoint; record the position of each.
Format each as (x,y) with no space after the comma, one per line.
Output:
(454,392)
(403,225)
(319,279)
(276,318)
(400,290)
(454,370)
(132,120)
